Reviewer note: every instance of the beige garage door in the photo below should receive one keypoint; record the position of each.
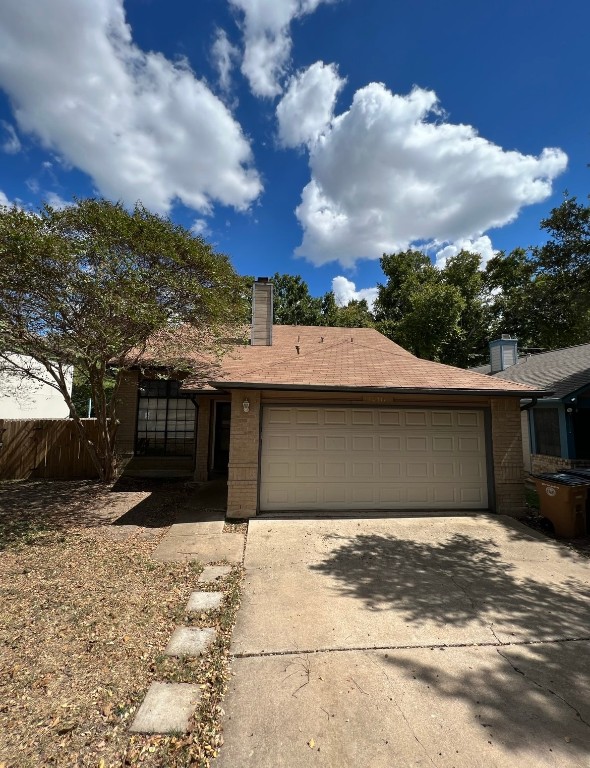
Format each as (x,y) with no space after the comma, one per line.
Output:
(372,458)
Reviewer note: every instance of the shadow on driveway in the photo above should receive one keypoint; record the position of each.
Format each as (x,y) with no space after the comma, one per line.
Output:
(524,682)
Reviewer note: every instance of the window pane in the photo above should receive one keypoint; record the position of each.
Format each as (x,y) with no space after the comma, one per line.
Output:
(547,431)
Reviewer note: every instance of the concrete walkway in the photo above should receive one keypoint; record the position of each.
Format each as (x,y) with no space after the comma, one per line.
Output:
(447,642)
(198,533)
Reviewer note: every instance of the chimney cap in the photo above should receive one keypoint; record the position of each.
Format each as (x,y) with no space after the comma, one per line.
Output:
(262,279)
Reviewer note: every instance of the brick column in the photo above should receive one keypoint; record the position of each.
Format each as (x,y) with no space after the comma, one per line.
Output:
(202,444)
(507,455)
(242,482)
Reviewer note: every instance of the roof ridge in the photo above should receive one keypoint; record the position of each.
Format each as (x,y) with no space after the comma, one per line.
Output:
(529,355)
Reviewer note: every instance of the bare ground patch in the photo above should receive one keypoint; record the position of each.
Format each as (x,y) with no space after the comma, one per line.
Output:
(86,614)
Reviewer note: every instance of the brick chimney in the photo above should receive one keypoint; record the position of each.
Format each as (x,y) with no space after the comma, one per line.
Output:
(262,312)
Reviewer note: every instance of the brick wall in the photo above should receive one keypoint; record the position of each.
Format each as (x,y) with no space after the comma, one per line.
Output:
(127,412)
(202,446)
(541,463)
(507,455)
(242,482)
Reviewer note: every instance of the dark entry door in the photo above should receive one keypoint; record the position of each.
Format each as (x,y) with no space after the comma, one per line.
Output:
(582,433)
(221,437)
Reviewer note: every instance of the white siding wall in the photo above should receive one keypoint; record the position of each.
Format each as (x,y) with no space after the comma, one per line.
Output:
(29,399)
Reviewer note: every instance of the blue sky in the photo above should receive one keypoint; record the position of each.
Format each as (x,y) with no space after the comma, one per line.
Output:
(303,136)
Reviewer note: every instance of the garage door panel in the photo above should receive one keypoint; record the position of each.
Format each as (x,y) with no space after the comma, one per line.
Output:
(279,442)
(443,444)
(441,418)
(389,470)
(389,443)
(335,470)
(363,444)
(305,470)
(383,458)
(444,470)
(335,443)
(307,416)
(471,495)
(363,470)
(419,444)
(468,419)
(415,469)
(415,418)
(306,494)
(469,444)
(472,469)
(444,494)
(334,417)
(418,494)
(389,418)
(279,416)
(334,494)
(307,442)
(279,470)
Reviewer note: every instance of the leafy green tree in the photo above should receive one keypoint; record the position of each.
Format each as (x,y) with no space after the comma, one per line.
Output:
(562,277)
(293,304)
(467,343)
(355,314)
(97,287)
(406,273)
(511,297)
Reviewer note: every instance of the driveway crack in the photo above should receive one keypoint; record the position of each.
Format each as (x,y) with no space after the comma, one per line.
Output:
(544,688)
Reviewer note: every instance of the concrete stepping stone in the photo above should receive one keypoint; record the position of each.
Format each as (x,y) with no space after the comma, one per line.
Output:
(167,708)
(213,572)
(205,548)
(189,641)
(204,601)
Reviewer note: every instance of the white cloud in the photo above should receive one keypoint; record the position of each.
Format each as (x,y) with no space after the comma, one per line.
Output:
(55,201)
(200,227)
(11,144)
(345,291)
(482,245)
(4,201)
(141,126)
(224,56)
(307,107)
(267,40)
(384,175)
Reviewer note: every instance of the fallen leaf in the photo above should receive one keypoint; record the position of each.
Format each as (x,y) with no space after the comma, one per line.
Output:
(311,743)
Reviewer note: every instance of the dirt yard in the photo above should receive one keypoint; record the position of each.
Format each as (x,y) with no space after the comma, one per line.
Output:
(85,616)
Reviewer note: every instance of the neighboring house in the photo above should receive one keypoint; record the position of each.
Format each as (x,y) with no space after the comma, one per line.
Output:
(310,418)
(556,430)
(26,398)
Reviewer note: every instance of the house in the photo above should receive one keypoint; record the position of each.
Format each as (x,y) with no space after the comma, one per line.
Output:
(310,418)
(556,429)
(27,398)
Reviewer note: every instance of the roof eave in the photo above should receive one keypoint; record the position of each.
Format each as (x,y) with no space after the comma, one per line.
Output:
(382,390)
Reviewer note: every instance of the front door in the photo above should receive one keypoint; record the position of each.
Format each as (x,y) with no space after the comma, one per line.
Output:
(221,437)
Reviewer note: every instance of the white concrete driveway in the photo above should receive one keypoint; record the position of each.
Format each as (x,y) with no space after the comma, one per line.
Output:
(448,642)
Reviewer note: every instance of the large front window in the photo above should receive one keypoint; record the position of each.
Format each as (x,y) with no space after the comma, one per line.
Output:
(165,420)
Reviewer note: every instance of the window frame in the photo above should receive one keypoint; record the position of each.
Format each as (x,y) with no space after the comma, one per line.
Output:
(166,390)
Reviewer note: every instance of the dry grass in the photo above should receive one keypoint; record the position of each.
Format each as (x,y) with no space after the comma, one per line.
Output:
(85,616)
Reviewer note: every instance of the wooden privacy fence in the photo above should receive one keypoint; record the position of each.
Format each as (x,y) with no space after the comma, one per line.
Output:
(44,448)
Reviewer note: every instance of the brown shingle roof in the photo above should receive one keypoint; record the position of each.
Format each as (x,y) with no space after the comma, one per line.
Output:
(357,358)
